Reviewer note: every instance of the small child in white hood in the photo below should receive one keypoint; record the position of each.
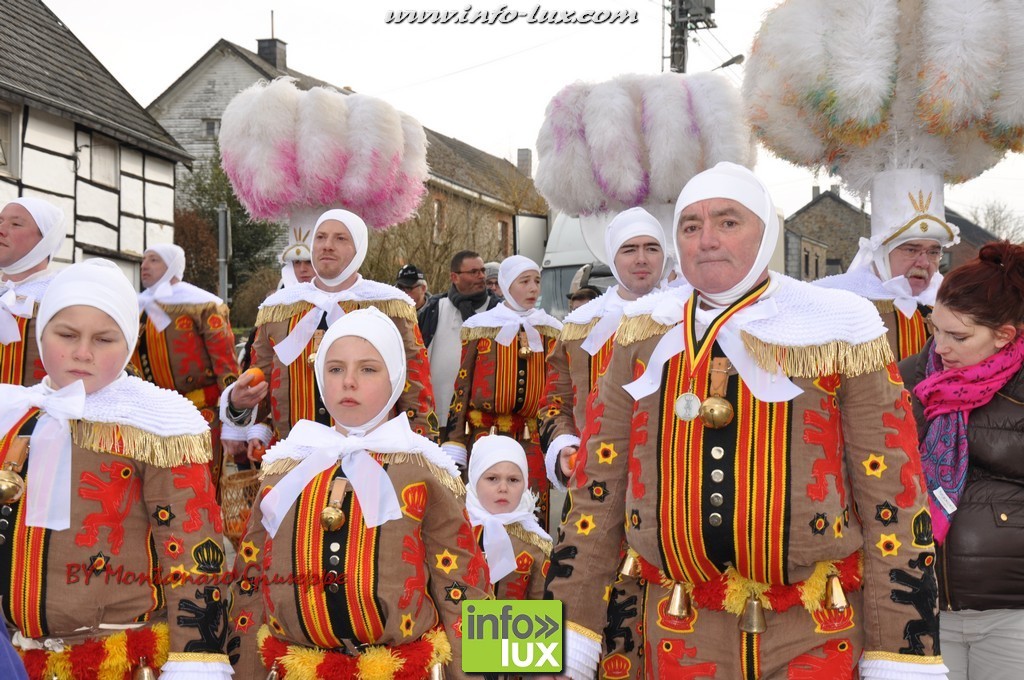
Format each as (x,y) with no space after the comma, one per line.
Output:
(498,502)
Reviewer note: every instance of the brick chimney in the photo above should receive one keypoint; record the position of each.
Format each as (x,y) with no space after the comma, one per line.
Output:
(815,191)
(273,51)
(524,162)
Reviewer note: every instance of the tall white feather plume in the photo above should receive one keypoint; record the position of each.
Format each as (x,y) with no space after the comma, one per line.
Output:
(290,154)
(930,84)
(563,168)
(636,140)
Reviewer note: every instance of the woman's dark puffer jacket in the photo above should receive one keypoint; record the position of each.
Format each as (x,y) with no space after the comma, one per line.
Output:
(981,563)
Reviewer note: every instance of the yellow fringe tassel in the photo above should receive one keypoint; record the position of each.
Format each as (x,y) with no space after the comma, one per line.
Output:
(138,444)
(115,660)
(442,647)
(276,313)
(634,329)
(577,331)
(489,333)
(884,306)
(454,484)
(525,536)
(378,662)
(817,360)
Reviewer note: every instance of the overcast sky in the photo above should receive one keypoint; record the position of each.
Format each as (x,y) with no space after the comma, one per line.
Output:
(487,85)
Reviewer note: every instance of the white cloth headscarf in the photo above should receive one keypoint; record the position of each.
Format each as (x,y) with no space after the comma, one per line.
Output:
(370,482)
(512,268)
(93,283)
(735,182)
(357,228)
(625,226)
(49,220)
(509,315)
(162,289)
(488,451)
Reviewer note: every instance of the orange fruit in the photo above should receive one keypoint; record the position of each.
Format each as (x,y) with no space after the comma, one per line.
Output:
(257,452)
(257,376)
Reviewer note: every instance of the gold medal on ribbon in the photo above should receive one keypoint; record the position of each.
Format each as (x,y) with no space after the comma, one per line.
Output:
(687,405)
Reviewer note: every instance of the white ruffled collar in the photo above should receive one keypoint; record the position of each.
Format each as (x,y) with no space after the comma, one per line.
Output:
(502,315)
(183,293)
(363,290)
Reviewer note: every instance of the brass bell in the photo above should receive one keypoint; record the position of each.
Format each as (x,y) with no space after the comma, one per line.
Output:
(437,672)
(716,412)
(331,517)
(144,671)
(12,487)
(630,565)
(752,619)
(679,601)
(311,359)
(273,674)
(835,598)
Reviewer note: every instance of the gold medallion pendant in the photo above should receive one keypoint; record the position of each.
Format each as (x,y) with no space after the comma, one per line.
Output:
(332,517)
(716,412)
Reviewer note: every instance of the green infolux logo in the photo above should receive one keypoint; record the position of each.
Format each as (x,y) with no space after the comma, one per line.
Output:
(511,636)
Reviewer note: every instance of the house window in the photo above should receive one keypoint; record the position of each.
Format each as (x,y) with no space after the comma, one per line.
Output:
(8,142)
(505,237)
(211,127)
(807,264)
(106,168)
(438,220)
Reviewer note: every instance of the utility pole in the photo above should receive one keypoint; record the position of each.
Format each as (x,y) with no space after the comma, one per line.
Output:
(685,16)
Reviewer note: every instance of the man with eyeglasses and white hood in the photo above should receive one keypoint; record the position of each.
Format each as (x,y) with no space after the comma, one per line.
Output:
(753,433)
(31,234)
(898,267)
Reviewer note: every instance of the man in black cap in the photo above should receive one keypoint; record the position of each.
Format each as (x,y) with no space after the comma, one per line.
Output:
(412,282)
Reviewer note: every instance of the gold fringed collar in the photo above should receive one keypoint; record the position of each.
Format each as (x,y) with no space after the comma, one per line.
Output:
(163,451)
(283,466)
(516,530)
(817,360)
(577,331)
(491,332)
(638,328)
(394,309)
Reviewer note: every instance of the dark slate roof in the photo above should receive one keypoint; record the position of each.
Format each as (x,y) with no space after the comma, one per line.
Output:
(448,158)
(969,231)
(821,197)
(43,65)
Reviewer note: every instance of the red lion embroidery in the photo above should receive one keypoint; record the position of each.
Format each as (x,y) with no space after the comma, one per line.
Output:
(519,580)
(638,438)
(476,570)
(116,496)
(835,665)
(826,430)
(670,661)
(905,439)
(197,478)
(414,552)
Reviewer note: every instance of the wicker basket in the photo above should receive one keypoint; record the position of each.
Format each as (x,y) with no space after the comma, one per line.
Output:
(238,493)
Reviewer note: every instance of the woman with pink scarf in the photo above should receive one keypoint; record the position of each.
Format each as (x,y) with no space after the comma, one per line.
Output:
(968,396)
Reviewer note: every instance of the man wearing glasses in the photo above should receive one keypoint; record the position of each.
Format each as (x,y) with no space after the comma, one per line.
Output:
(441,321)
(898,267)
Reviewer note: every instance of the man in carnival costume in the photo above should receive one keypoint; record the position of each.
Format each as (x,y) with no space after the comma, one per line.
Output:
(292,322)
(635,240)
(185,339)
(743,422)
(31,234)
(296,259)
(898,267)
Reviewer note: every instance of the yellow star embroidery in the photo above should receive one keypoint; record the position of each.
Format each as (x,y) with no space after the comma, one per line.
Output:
(249,551)
(889,545)
(585,524)
(447,562)
(178,575)
(606,453)
(406,626)
(837,527)
(607,593)
(875,465)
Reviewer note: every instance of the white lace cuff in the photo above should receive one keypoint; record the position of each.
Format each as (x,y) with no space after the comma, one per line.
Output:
(551,458)
(259,431)
(229,432)
(456,452)
(196,670)
(886,669)
(248,416)
(582,655)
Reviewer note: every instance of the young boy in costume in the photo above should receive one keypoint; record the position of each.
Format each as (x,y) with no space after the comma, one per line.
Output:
(110,536)
(359,552)
(516,546)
